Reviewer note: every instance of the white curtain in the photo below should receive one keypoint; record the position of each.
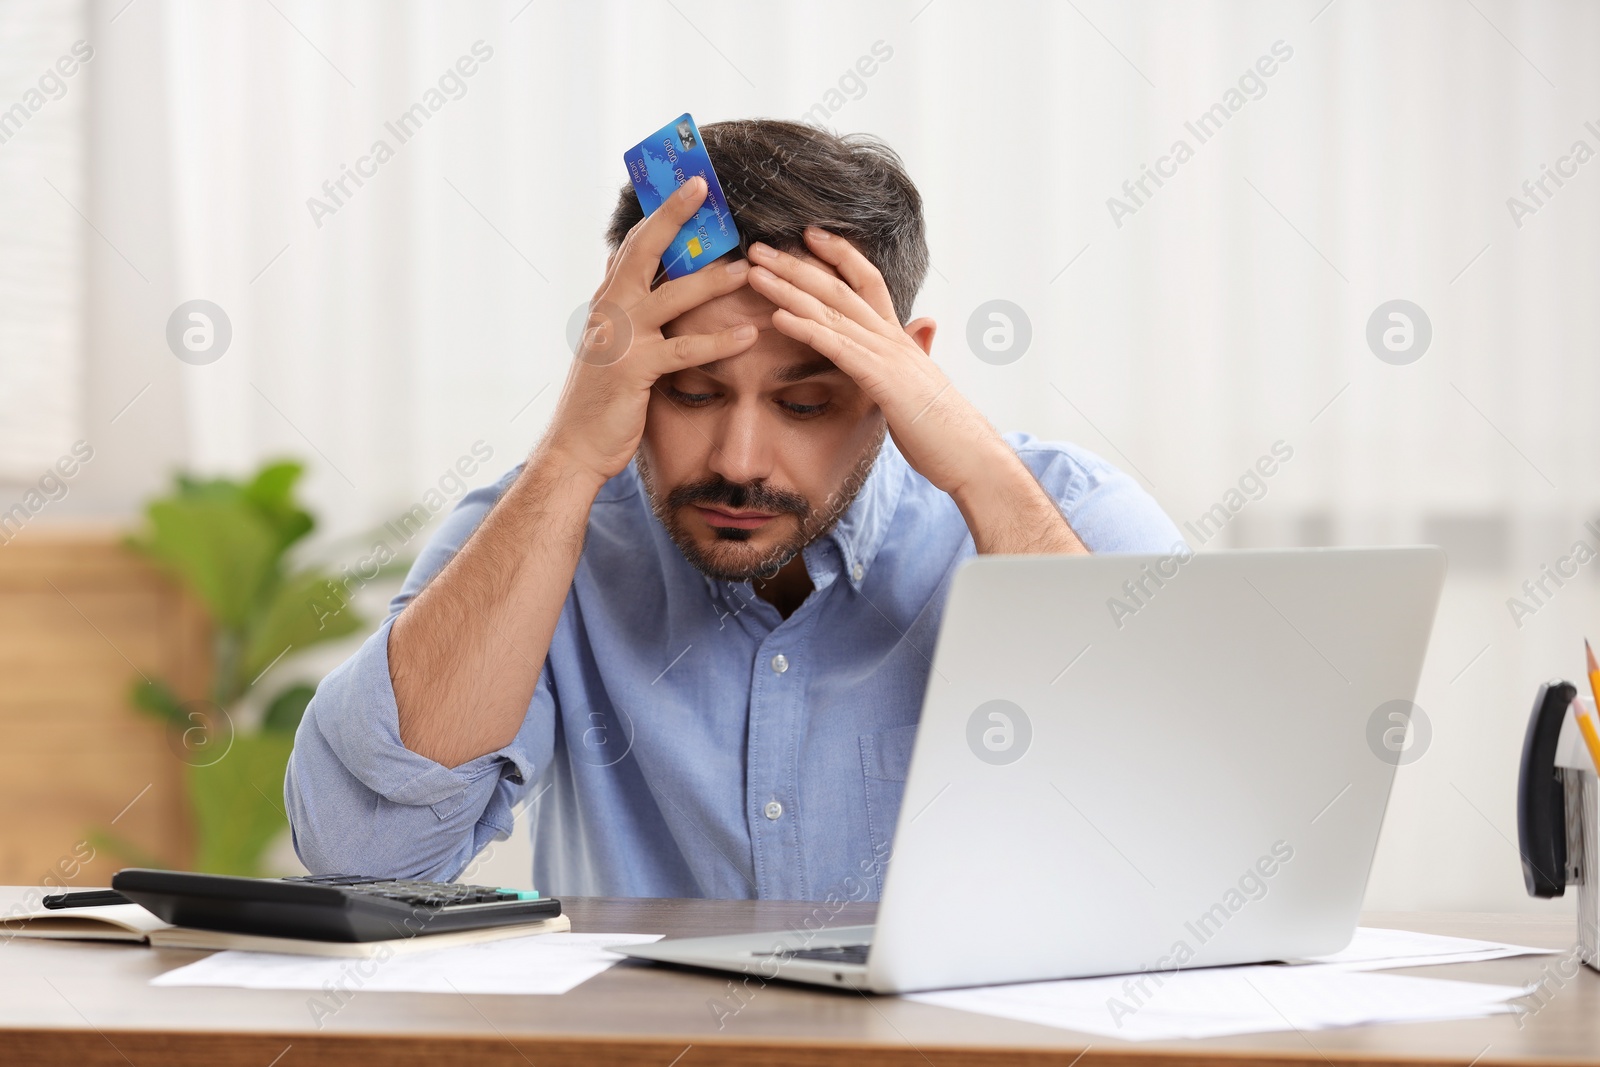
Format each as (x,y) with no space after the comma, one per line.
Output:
(1182,335)
(43,105)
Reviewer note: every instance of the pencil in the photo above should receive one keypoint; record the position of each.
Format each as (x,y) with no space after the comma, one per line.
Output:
(1594,674)
(1591,737)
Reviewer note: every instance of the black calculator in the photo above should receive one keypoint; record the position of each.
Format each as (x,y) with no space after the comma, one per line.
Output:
(327,907)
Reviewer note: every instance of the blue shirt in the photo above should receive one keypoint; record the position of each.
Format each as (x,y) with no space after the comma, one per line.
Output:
(684,739)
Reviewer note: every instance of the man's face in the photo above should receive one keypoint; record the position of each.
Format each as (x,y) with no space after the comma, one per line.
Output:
(749,459)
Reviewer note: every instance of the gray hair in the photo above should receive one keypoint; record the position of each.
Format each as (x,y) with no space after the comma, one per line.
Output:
(780,177)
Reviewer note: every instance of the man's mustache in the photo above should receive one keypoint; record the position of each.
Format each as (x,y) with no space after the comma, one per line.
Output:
(755,496)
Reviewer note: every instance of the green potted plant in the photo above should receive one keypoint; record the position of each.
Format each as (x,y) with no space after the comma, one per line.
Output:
(228,543)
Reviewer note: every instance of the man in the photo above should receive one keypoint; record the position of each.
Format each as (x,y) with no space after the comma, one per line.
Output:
(695,626)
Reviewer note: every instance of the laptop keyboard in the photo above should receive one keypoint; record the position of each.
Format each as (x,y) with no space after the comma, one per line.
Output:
(837,954)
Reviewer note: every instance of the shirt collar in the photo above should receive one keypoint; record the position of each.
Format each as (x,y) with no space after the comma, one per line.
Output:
(861,530)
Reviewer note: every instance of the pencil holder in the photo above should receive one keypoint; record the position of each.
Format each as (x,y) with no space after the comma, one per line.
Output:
(1581,790)
(1583,852)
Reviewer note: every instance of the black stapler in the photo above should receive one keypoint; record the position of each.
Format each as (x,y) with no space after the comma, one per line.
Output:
(1541,795)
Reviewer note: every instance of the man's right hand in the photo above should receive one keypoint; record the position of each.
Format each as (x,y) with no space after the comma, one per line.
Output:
(600,418)
(465,656)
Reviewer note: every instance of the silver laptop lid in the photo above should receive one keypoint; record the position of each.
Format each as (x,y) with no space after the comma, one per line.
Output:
(1135,763)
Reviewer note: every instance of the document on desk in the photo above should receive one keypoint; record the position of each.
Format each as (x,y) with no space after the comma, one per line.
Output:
(546,964)
(1376,948)
(1218,1001)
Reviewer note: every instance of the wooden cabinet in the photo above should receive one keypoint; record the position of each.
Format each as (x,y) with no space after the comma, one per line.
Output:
(80,617)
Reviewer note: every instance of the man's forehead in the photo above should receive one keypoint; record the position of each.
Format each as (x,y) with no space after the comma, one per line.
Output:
(721,312)
(784,367)
(780,358)
(774,356)
(742,305)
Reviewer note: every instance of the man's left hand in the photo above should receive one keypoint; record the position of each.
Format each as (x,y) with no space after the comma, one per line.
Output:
(851,320)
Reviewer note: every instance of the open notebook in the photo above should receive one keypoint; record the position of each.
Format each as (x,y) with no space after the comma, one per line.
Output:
(130,922)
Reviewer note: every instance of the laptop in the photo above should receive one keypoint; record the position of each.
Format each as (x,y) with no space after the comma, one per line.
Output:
(1133,763)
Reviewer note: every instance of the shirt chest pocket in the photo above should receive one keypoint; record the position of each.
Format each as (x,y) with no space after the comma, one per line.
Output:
(885,758)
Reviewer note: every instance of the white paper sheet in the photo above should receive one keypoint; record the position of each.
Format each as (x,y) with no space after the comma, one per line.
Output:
(546,963)
(1213,1002)
(1376,948)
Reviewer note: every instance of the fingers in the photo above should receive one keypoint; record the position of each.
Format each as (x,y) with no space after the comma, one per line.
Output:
(797,301)
(673,298)
(650,238)
(789,275)
(849,354)
(692,349)
(856,269)
(864,365)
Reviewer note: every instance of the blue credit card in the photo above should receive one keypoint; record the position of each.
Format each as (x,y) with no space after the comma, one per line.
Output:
(657,166)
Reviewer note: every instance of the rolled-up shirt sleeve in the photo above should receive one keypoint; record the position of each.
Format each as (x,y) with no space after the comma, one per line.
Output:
(359,801)
(1106,507)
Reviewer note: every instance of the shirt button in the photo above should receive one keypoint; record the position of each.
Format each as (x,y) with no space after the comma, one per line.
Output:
(858,572)
(773,809)
(780,663)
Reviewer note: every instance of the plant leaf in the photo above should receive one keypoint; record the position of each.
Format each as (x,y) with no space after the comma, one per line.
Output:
(156,699)
(238,804)
(307,609)
(272,488)
(222,550)
(271,493)
(194,488)
(287,709)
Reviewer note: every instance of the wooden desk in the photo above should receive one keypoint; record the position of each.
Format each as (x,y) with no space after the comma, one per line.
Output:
(90,1004)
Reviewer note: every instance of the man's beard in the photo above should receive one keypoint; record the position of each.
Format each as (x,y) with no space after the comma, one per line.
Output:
(716,491)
